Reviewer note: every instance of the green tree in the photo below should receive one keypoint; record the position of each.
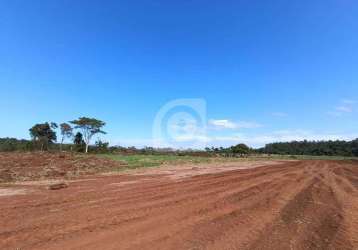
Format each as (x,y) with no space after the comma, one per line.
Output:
(44,134)
(207,149)
(241,149)
(78,139)
(101,147)
(89,127)
(79,142)
(66,132)
(354,146)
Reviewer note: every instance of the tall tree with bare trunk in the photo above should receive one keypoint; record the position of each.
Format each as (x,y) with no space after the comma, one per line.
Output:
(89,127)
(66,132)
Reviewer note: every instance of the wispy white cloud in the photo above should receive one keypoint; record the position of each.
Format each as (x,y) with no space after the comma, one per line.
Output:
(345,106)
(349,101)
(346,109)
(227,124)
(222,124)
(334,113)
(279,114)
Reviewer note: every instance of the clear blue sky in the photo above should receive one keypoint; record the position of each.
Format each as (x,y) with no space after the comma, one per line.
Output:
(268,70)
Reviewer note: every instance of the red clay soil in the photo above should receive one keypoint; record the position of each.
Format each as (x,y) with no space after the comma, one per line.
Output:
(295,205)
(24,166)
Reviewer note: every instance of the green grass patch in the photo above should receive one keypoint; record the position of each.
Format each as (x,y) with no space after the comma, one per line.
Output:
(140,161)
(144,161)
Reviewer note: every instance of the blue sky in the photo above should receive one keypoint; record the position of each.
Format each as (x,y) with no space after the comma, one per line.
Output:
(267,70)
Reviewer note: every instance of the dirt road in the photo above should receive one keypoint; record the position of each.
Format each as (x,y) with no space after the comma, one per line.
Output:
(295,205)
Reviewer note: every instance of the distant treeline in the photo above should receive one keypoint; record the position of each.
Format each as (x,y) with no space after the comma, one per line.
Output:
(13,144)
(317,148)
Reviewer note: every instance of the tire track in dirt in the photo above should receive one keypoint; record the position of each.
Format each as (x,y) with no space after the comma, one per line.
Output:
(162,197)
(177,201)
(296,205)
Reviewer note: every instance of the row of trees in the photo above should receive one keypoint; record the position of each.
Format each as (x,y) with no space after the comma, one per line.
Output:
(330,148)
(82,130)
(44,134)
(12,144)
(239,149)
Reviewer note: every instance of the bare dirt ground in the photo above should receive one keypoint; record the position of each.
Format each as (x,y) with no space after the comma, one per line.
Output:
(185,170)
(294,205)
(25,166)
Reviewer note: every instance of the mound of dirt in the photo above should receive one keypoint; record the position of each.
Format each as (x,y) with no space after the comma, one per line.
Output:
(25,166)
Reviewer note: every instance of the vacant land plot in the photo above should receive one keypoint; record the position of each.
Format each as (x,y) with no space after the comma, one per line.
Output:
(26,166)
(143,161)
(29,166)
(292,205)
